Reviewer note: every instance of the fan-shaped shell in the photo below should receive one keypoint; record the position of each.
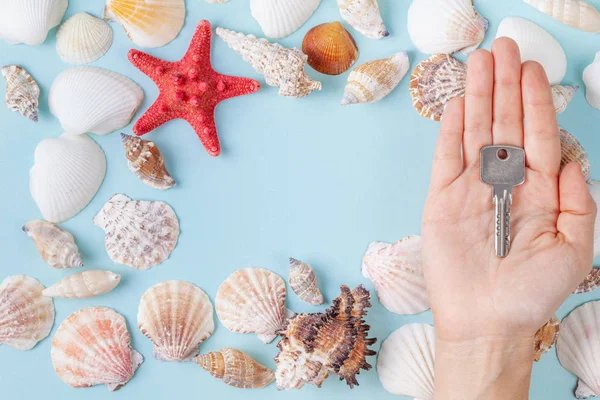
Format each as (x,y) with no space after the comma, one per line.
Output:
(364,16)
(445,26)
(252,300)
(591,281)
(236,368)
(545,338)
(279,18)
(562,96)
(591,78)
(572,150)
(578,14)
(330,48)
(84,285)
(66,174)
(147,23)
(26,316)
(303,282)
(594,187)
(83,39)
(28,21)
(93,347)
(146,162)
(22,92)
(176,316)
(137,233)
(56,246)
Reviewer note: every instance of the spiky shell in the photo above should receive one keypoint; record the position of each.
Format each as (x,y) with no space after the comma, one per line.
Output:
(176,316)
(83,39)
(330,48)
(562,96)
(590,283)
(575,13)
(22,91)
(56,246)
(545,338)
(93,347)
(364,16)
(28,21)
(436,81)
(236,368)
(303,282)
(146,162)
(591,78)
(26,316)
(140,234)
(572,150)
(251,300)
(84,285)
(278,18)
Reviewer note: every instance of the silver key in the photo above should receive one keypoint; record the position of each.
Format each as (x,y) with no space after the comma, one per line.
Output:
(502,167)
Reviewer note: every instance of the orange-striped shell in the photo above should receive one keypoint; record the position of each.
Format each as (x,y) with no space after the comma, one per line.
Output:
(330,48)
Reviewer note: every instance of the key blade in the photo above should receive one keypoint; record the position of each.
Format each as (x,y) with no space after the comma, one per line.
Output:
(502,165)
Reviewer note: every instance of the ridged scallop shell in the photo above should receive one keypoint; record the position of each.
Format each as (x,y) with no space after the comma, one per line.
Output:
(562,96)
(545,338)
(146,162)
(92,99)
(590,283)
(281,67)
(28,21)
(176,316)
(572,150)
(56,246)
(405,362)
(22,92)
(397,273)
(236,368)
(278,18)
(578,14)
(594,187)
(591,78)
(364,16)
(536,44)
(303,282)
(445,26)
(83,39)
(330,48)
(66,174)
(84,285)
(147,23)
(140,234)
(26,316)
(252,300)
(93,347)
(372,81)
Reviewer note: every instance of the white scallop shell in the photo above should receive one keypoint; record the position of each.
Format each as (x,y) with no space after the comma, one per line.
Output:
(594,187)
(591,78)
(176,316)
(562,96)
(364,16)
(578,14)
(66,174)
(536,44)
(22,91)
(83,39)
(279,18)
(28,21)
(26,316)
(56,246)
(406,361)
(84,285)
(92,99)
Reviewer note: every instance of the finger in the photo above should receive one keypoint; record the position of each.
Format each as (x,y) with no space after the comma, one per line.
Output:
(478,105)
(507,125)
(447,159)
(542,144)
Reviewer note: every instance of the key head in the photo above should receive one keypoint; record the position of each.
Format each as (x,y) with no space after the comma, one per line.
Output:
(502,165)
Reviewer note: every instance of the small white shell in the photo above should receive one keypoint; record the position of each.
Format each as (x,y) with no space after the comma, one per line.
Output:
(278,18)
(591,78)
(56,246)
(303,282)
(578,14)
(84,285)
(562,96)
(594,187)
(28,21)
(22,91)
(364,16)
(83,39)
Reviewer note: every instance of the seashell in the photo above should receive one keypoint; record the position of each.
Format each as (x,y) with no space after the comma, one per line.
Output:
(330,48)
(590,283)
(147,23)
(146,162)
(591,78)
(562,96)
(140,234)
(364,16)
(56,246)
(278,18)
(578,14)
(397,273)
(303,282)
(22,92)
(536,44)
(545,338)
(28,21)
(281,67)
(572,150)
(93,347)
(252,300)
(436,81)
(83,39)
(26,317)
(372,81)
(66,174)
(92,99)
(409,352)
(445,26)
(176,316)
(236,368)
(84,285)
(314,345)
(594,187)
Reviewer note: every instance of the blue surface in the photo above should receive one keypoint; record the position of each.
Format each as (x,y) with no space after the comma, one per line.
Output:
(303,178)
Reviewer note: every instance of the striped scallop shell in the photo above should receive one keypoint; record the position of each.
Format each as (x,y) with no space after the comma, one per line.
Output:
(303,282)
(56,246)
(364,16)
(28,21)
(22,91)
(571,151)
(330,48)
(545,338)
(575,13)
(278,18)
(84,285)
(83,39)
(236,368)
(562,96)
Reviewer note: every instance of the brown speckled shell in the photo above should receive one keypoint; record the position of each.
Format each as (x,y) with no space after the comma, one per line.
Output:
(146,162)
(236,368)
(303,282)
(572,150)
(330,48)
(590,283)
(545,338)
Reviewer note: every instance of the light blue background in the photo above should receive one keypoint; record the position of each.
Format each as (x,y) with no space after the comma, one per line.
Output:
(303,178)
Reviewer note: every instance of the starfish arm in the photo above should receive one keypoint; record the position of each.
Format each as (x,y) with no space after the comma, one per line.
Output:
(233,86)
(154,117)
(199,50)
(204,125)
(146,63)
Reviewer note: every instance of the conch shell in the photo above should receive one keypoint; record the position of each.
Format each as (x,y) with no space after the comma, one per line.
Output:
(590,283)
(545,338)
(575,13)
(56,246)
(364,16)
(84,285)
(572,150)
(22,91)
(146,162)
(303,282)
(236,368)
(562,96)
(330,48)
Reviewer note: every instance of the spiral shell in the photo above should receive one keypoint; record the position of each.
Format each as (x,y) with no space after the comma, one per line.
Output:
(84,285)
(545,338)
(590,283)
(146,162)
(364,16)
(56,246)
(330,48)
(571,151)
(303,282)
(22,91)
(236,368)
(562,96)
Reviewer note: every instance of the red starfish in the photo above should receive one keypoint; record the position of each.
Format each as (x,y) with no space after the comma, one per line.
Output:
(189,89)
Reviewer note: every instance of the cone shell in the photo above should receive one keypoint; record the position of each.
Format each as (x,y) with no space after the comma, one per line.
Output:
(146,162)
(330,48)
(22,92)
(303,282)
(572,150)
(93,347)
(436,81)
(278,18)
(236,368)
(252,300)
(562,96)
(545,338)
(56,246)
(28,21)
(84,285)
(176,316)
(140,234)
(147,23)
(364,16)
(591,78)
(594,187)
(26,316)
(83,39)
(578,14)
(590,283)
